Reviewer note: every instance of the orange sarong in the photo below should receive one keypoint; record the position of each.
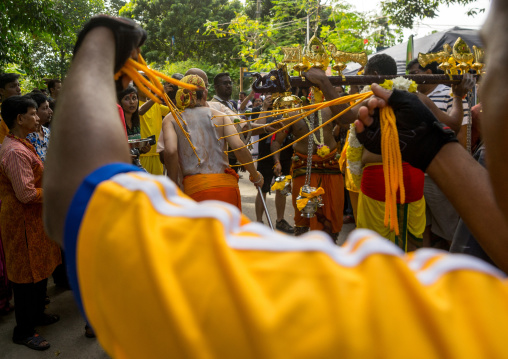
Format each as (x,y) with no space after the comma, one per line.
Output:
(215,186)
(327,171)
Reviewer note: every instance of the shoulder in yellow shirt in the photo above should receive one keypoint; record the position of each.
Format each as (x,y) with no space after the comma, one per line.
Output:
(215,285)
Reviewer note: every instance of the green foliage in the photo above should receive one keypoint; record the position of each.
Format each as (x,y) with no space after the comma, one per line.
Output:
(176,29)
(41,35)
(112,7)
(23,22)
(333,22)
(54,56)
(403,13)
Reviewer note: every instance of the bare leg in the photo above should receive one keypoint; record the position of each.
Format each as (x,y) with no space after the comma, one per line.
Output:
(87,132)
(353,196)
(259,207)
(280,205)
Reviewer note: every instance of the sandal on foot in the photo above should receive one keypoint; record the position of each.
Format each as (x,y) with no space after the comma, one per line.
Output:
(35,342)
(47,319)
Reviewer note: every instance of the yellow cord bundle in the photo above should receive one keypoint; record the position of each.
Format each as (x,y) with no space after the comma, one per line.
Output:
(131,69)
(392,167)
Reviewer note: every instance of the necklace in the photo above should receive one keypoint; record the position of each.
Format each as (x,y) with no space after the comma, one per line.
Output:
(310,127)
(322,149)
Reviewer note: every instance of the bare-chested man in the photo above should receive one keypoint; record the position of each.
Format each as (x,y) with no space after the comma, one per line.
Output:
(325,171)
(210,176)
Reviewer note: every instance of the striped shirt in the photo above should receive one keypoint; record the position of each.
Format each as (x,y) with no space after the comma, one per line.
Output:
(444,101)
(17,162)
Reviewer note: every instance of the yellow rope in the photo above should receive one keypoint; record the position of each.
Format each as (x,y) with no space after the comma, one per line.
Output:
(271,112)
(301,115)
(143,84)
(166,78)
(156,87)
(392,168)
(269,124)
(360,98)
(304,114)
(149,73)
(350,97)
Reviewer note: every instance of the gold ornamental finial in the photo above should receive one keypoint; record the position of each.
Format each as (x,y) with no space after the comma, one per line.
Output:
(462,54)
(293,55)
(315,54)
(341,58)
(441,56)
(478,65)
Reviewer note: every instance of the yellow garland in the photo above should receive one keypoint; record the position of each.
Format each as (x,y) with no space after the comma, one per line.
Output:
(323,151)
(301,203)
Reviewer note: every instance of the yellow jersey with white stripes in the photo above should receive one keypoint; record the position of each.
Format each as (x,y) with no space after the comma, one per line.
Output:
(161,276)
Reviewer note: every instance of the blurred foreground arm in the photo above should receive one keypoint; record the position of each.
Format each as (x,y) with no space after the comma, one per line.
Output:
(426,145)
(86,132)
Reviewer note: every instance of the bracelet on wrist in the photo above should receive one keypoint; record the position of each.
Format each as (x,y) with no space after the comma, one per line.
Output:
(259,180)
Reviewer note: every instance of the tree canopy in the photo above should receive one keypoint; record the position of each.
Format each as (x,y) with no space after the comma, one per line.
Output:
(404,12)
(285,24)
(176,28)
(220,35)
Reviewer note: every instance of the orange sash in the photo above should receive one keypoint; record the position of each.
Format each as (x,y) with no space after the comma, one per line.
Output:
(214,186)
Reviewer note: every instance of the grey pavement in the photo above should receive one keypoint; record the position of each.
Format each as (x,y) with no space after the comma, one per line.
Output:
(67,337)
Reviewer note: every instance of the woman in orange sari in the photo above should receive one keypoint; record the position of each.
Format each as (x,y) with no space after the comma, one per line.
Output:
(30,255)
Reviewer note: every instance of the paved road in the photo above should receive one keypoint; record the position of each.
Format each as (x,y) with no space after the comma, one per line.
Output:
(67,336)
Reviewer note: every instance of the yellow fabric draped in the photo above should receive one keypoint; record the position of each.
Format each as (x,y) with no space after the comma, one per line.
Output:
(301,203)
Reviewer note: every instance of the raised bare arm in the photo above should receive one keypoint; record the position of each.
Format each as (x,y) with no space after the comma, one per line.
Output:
(86,132)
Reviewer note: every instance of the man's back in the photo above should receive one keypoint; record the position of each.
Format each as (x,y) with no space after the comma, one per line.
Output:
(203,135)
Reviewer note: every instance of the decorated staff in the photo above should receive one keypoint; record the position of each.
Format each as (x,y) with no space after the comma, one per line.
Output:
(454,61)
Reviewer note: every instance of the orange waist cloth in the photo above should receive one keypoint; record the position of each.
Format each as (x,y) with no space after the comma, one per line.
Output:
(333,199)
(324,165)
(215,186)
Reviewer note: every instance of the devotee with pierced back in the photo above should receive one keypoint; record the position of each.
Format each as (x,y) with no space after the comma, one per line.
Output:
(206,173)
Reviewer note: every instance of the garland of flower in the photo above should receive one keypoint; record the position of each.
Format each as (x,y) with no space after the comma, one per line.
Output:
(354,154)
(316,96)
(322,149)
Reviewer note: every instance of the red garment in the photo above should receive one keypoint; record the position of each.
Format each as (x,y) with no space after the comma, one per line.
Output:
(373,183)
(122,117)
